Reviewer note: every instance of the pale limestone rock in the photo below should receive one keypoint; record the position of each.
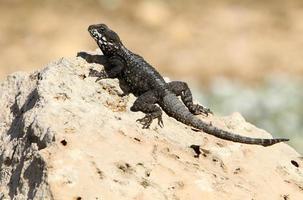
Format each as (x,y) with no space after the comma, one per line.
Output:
(63,136)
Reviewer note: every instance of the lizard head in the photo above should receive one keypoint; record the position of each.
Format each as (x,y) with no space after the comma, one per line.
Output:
(108,41)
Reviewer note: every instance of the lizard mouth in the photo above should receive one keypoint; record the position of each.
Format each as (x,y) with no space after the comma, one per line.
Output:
(98,36)
(95,34)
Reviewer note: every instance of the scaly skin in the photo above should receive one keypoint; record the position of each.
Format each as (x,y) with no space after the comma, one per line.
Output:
(145,82)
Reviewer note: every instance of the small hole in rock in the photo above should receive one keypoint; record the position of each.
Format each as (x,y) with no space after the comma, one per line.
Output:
(79,198)
(237,170)
(294,163)
(147,173)
(63,142)
(145,183)
(285,197)
(82,76)
(196,149)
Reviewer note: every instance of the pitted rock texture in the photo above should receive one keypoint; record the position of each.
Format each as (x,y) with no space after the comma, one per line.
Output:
(64,136)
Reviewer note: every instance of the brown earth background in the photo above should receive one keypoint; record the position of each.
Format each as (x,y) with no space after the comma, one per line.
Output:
(246,41)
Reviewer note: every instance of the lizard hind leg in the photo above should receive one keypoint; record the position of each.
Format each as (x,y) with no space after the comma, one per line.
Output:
(180,88)
(146,104)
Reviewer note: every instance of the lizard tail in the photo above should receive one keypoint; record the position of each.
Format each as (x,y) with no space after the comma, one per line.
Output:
(212,130)
(176,109)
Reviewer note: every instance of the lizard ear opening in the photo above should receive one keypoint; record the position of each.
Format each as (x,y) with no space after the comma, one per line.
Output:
(113,37)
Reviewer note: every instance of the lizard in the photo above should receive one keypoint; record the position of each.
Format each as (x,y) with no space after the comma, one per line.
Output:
(154,95)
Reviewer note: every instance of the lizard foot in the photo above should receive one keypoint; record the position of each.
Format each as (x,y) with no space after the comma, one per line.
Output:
(148,119)
(198,109)
(83,55)
(145,121)
(95,73)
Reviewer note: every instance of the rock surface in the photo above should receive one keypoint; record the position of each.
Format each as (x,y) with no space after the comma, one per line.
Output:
(63,136)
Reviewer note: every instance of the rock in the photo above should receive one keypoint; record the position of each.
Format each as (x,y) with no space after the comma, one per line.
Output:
(63,136)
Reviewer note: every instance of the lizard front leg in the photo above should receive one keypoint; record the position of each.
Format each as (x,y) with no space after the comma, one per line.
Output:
(146,104)
(180,88)
(99,59)
(112,69)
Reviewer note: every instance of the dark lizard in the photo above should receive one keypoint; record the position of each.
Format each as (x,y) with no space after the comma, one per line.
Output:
(152,92)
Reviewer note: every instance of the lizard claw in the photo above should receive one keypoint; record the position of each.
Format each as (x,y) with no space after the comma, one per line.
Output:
(198,109)
(145,121)
(98,79)
(83,55)
(93,73)
(207,111)
(160,122)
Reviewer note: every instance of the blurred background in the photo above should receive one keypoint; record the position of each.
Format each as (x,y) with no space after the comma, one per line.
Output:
(237,55)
